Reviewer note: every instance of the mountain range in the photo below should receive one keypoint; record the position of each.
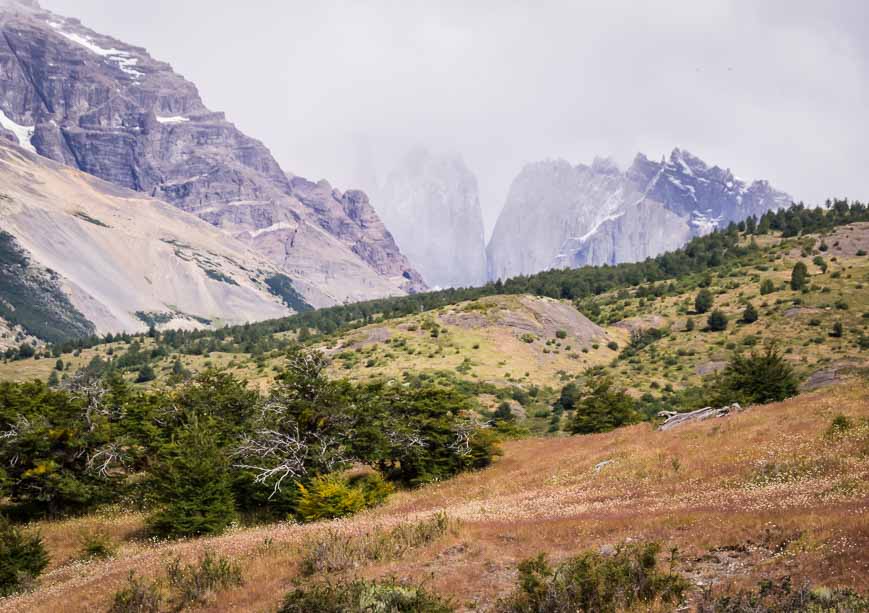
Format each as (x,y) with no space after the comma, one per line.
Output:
(197,224)
(109,109)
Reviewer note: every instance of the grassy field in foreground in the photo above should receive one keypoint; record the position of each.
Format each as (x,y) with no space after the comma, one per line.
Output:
(767,493)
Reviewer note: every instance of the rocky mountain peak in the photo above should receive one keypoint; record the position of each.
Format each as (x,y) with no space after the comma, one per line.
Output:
(109,109)
(431,204)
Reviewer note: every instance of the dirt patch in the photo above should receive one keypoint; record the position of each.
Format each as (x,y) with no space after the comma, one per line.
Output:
(709,367)
(545,317)
(641,323)
(466,321)
(844,241)
(796,311)
(830,375)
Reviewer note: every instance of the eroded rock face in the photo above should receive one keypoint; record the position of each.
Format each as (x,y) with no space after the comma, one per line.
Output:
(558,215)
(111,110)
(432,205)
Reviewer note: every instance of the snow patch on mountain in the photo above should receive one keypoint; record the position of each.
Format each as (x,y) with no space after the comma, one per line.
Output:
(23,133)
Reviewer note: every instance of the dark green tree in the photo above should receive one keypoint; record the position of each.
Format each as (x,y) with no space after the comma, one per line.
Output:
(191,484)
(146,373)
(601,407)
(703,302)
(799,276)
(759,377)
(749,315)
(767,287)
(717,321)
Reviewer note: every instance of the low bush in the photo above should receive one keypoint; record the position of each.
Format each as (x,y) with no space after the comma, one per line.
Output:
(192,583)
(628,580)
(361,596)
(22,558)
(770,597)
(96,544)
(138,596)
(328,497)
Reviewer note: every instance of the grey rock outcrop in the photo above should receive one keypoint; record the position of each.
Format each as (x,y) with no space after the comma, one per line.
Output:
(431,204)
(111,110)
(563,216)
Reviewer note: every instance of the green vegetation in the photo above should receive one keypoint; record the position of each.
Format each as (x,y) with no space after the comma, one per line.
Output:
(628,580)
(601,408)
(22,558)
(282,286)
(361,596)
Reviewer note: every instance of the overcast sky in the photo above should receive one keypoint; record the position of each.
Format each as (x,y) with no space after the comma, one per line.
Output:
(775,89)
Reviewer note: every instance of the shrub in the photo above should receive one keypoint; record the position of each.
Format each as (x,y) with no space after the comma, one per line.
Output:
(861,252)
(527,338)
(767,287)
(336,552)
(375,489)
(137,597)
(612,345)
(838,330)
(782,597)
(22,558)
(96,544)
(328,497)
(840,425)
(191,583)
(717,321)
(628,580)
(360,596)
(703,302)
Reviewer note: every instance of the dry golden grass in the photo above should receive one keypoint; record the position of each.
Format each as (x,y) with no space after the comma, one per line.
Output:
(764,493)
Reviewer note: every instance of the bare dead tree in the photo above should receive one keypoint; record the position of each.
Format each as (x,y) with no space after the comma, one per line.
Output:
(110,456)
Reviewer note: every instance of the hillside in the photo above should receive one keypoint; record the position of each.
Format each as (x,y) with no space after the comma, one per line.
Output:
(766,494)
(513,342)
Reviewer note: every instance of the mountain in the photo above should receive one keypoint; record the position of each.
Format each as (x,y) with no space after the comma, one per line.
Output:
(431,204)
(109,109)
(80,256)
(558,215)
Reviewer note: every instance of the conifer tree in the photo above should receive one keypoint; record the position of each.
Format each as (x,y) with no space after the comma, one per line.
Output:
(192,485)
(749,315)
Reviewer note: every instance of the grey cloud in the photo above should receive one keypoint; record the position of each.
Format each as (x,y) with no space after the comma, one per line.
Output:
(774,89)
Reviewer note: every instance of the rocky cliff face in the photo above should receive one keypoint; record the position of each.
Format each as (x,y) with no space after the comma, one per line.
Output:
(111,110)
(431,204)
(80,256)
(558,215)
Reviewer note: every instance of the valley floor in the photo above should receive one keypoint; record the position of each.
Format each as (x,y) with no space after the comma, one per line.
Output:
(768,493)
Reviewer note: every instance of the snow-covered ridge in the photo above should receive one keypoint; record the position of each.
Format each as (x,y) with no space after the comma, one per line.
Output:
(171,120)
(123,59)
(282,225)
(22,133)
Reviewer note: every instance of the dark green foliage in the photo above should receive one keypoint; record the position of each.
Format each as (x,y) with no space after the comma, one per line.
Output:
(191,484)
(218,276)
(359,596)
(55,446)
(592,582)
(613,346)
(96,544)
(799,276)
(749,315)
(22,558)
(282,286)
(760,377)
(767,287)
(689,325)
(35,300)
(703,301)
(146,373)
(717,321)
(85,217)
(838,330)
(601,407)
